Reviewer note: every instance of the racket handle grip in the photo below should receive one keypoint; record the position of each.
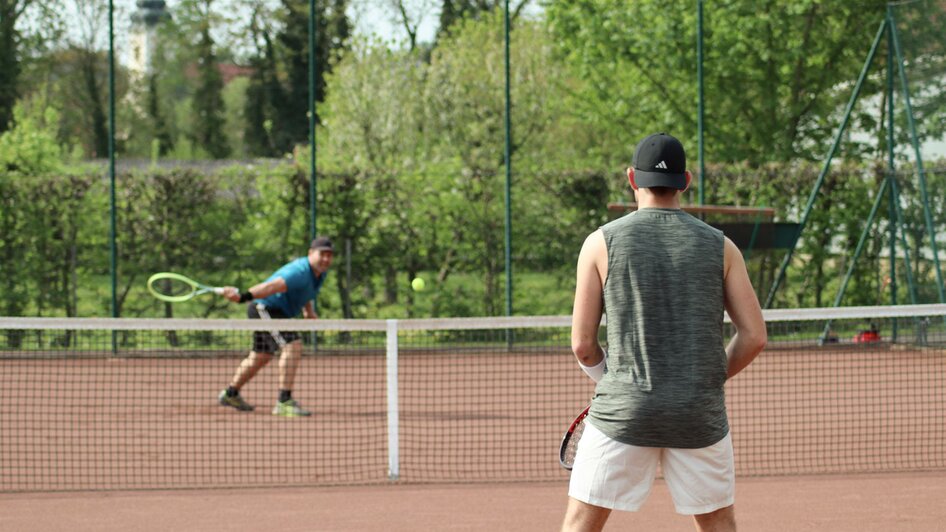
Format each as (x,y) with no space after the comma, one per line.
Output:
(218,290)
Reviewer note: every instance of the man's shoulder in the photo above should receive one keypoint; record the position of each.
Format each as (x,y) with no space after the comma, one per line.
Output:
(619,222)
(294,267)
(298,262)
(700,225)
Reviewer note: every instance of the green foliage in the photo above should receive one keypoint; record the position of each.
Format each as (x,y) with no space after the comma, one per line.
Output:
(161,132)
(422,144)
(18,46)
(453,12)
(278,102)
(45,222)
(234,102)
(177,221)
(31,147)
(239,223)
(76,82)
(264,95)
(411,162)
(775,72)
(208,101)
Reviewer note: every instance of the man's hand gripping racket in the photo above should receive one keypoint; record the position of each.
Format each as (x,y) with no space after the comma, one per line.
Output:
(566,453)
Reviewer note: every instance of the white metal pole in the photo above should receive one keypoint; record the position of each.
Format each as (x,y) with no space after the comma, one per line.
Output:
(393,442)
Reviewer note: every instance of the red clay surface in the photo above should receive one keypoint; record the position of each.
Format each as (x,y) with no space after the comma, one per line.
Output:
(153,423)
(867,503)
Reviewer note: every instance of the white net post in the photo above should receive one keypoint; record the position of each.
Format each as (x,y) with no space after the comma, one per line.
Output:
(391,358)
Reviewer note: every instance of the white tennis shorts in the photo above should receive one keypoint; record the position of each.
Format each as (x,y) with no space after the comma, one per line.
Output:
(615,475)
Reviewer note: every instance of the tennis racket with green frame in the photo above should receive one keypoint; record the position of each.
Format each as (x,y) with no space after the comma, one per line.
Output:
(176,288)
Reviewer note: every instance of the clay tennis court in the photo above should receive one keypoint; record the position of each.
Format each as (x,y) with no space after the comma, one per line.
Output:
(862,503)
(839,437)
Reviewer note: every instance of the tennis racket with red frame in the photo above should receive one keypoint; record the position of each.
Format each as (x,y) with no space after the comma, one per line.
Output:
(566,454)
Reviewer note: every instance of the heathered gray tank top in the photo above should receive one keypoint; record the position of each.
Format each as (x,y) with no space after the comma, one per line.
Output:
(666,361)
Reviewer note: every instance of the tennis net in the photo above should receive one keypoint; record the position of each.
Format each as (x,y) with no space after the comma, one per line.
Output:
(92,404)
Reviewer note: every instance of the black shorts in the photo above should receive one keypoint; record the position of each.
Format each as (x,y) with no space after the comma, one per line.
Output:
(264,341)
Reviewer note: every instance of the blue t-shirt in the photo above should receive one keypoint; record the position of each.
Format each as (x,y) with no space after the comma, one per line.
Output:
(301,287)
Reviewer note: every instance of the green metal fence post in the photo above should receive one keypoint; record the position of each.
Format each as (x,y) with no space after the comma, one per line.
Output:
(112,233)
(508,157)
(891,176)
(699,81)
(313,228)
(911,285)
(927,215)
(857,251)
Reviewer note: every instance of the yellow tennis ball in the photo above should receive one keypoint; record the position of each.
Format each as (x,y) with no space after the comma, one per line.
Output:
(418,284)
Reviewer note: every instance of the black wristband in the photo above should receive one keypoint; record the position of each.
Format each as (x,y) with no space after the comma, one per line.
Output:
(246,296)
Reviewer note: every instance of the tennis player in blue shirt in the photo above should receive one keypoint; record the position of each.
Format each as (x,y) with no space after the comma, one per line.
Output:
(289,290)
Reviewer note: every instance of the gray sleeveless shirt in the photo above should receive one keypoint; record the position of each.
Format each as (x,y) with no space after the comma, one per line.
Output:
(666,362)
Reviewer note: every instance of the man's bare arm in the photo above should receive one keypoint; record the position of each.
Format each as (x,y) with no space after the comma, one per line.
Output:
(308,311)
(259,291)
(586,315)
(744,311)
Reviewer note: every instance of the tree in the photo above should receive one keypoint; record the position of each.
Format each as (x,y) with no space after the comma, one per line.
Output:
(776,73)
(453,11)
(27,151)
(83,67)
(333,30)
(11,52)
(264,94)
(208,100)
(159,126)
(409,15)
(10,13)
(374,116)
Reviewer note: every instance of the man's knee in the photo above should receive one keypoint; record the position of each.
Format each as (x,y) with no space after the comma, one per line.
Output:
(722,520)
(292,349)
(583,517)
(259,357)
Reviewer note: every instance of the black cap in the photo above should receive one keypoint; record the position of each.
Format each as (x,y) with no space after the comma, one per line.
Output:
(660,161)
(322,242)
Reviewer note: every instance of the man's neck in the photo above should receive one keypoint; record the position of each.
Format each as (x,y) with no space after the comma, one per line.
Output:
(646,200)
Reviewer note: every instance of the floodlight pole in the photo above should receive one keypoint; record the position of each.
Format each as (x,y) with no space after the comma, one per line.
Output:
(508,157)
(827,165)
(113,251)
(891,172)
(892,179)
(112,232)
(313,232)
(699,116)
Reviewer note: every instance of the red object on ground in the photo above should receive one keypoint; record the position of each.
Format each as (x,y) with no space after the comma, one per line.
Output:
(867,337)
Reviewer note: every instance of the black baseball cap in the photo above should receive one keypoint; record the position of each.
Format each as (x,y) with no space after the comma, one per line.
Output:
(660,161)
(322,242)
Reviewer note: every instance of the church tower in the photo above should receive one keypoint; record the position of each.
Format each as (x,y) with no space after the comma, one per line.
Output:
(145,21)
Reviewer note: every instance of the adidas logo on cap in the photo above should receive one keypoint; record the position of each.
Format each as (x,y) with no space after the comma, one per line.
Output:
(662,164)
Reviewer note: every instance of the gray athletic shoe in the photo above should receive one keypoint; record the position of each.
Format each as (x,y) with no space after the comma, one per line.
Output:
(236,402)
(290,408)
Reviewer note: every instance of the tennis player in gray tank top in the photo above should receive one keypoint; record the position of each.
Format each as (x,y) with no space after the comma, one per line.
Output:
(664,302)
(664,279)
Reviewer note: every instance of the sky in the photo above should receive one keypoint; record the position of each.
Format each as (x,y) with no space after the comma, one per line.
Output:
(370,17)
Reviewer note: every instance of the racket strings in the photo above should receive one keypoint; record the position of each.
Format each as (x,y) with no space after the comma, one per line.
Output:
(568,457)
(172,287)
